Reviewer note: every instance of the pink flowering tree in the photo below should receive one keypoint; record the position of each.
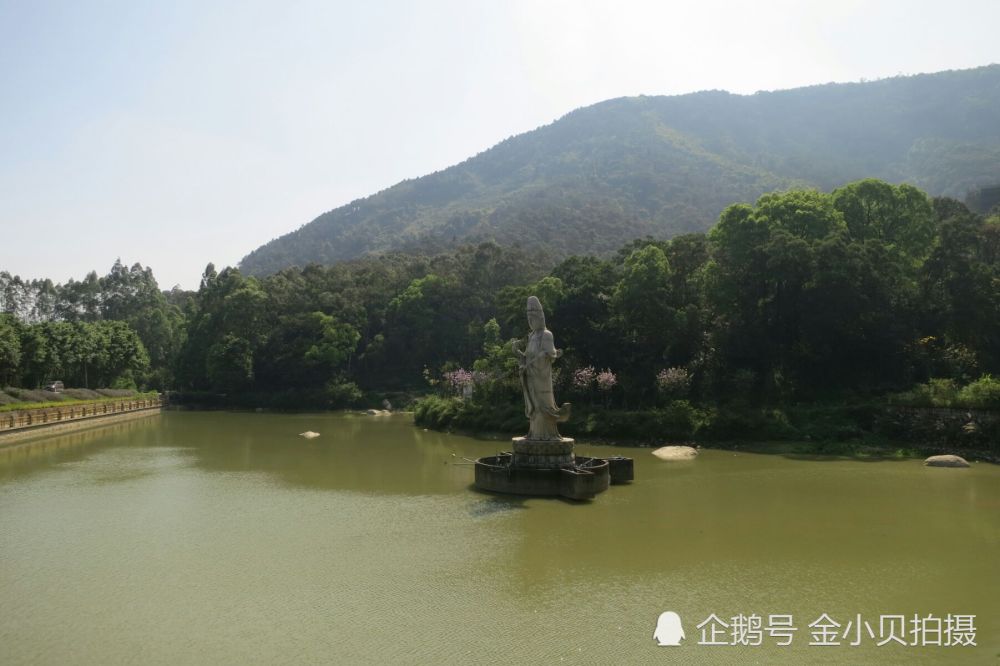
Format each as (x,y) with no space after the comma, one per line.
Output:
(606,381)
(584,378)
(673,382)
(459,382)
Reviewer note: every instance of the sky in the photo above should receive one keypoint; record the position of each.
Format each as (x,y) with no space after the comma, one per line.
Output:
(180,133)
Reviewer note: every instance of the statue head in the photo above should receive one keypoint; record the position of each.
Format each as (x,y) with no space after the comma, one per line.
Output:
(536,316)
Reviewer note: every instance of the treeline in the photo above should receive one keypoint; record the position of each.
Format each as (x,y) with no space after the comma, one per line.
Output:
(803,297)
(118,330)
(326,335)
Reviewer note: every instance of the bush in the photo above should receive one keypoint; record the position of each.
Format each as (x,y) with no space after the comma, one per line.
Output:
(984,393)
(342,394)
(745,423)
(435,411)
(125,382)
(935,393)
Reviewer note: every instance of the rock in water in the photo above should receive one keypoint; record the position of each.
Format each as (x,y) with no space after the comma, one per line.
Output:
(946,461)
(308,434)
(676,452)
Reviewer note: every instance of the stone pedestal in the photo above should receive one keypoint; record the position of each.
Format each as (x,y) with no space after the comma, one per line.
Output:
(543,453)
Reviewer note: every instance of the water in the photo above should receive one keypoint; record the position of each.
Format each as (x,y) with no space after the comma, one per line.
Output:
(224,538)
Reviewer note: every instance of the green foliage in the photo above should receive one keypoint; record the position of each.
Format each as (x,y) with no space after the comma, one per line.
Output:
(934,393)
(785,321)
(662,166)
(899,216)
(436,411)
(342,394)
(229,364)
(984,393)
(97,307)
(10,348)
(337,342)
(803,214)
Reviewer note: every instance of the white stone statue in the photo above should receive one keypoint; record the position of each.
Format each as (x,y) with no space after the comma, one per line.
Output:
(535,364)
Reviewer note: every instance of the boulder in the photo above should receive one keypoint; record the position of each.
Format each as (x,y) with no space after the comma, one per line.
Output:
(308,434)
(676,452)
(946,461)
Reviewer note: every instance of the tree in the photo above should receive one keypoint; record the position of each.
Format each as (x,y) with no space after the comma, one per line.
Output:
(10,349)
(229,364)
(900,216)
(960,284)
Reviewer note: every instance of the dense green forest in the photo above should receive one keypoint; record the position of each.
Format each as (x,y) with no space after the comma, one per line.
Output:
(805,298)
(117,331)
(660,166)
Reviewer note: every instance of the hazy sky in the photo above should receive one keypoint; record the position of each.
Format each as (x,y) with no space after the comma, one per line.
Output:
(176,133)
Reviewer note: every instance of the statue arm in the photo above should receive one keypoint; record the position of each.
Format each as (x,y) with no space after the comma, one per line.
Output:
(520,354)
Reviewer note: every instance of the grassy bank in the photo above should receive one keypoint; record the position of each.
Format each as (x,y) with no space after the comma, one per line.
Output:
(15,399)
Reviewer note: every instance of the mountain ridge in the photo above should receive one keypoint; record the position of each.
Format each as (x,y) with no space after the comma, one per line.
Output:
(662,165)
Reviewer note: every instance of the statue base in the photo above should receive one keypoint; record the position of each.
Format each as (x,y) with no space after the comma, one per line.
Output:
(543,453)
(582,480)
(544,467)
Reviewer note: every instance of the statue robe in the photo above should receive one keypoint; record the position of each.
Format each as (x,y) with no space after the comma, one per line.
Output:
(536,382)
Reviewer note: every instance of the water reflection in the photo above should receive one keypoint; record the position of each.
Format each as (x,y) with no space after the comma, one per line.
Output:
(226,537)
(494,504)
(35,454)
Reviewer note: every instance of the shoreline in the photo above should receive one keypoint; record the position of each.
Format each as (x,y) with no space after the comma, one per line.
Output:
(853,449)
(20,435)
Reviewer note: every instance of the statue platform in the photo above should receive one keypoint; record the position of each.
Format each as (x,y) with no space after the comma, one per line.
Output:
(543,452)
(550,468)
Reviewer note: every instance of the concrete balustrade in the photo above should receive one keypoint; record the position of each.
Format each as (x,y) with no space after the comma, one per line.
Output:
(35,418)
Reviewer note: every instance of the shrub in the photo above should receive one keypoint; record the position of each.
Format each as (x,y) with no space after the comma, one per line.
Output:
(984,393)
(435,411)
(342,394)
(935,393)
(125,382)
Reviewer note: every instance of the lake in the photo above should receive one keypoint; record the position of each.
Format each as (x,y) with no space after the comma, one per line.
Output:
(212,537)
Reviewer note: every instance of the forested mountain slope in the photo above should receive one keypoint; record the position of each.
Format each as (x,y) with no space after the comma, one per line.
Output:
(659,166)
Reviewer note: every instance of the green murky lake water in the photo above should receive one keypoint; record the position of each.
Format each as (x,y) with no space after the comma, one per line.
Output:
(224,538)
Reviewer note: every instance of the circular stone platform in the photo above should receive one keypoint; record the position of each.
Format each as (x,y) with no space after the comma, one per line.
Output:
(581,481)
(547,453)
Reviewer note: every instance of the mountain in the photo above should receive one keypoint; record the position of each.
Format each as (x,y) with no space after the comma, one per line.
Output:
(660,166)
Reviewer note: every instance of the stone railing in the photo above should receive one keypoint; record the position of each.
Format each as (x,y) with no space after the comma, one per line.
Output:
(30,418)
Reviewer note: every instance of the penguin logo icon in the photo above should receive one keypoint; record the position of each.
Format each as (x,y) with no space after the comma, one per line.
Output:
(668,629)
